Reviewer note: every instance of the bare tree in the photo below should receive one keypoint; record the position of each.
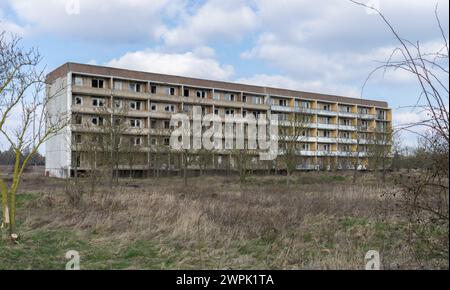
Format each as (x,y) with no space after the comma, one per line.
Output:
(425,195)
(22,86)
(294,132)
(242,159)
(380,150)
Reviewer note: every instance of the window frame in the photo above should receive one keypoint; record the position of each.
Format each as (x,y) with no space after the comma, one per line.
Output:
(78,98)
(78,81)
(100,83)
(99,101)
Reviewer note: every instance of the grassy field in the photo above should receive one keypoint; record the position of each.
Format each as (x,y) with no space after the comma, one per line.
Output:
(316,221)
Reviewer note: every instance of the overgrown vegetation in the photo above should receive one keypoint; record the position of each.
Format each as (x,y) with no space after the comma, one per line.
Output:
(215,222)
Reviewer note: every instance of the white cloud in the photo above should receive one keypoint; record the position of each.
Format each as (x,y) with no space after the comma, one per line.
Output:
(112,20)
(185,64)
(12,28)
(407,118)
(215,20)
(279,81)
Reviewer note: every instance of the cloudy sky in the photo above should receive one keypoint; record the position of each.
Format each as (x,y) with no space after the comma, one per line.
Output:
(320,46)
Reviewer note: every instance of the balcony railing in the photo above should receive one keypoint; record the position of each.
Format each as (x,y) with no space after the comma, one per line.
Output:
(348,114)
(347,140)
(326,140)
(347,128)
(326,112)
(306,139)
(326,126)
(366,116)
(306,153)
(282,109)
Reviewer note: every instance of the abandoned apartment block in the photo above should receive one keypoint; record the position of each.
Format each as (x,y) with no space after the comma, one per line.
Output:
(126,114)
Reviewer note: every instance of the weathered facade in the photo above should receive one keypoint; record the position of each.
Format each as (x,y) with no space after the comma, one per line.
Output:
(121,120)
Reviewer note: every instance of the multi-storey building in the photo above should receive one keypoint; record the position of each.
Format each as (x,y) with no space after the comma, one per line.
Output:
(98,98)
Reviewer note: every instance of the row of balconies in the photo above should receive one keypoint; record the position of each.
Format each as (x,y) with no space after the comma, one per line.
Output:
(325,112)
(167,115)
(329,153)
(152,148)
(333,140)
(206,101)
(166,98)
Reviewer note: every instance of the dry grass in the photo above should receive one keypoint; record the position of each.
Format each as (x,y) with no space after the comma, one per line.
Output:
(215,223)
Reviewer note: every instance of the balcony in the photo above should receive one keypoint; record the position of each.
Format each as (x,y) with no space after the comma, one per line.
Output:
(326,126)
(282,109)
(307,167)
(91,110)
(160,115)
(130,94)
(326,113)
(348,114)
(306,139)
(90,91)
(347,141)
(347,128)
(137,131)
(326,153)
(345,154)
(366,116)
(86,128)
(137,113)
(166,98)
(306,153)
(305,110)
(160,132)
(199,101)
(326,140)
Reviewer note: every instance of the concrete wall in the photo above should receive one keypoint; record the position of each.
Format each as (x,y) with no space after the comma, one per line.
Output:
(57,148)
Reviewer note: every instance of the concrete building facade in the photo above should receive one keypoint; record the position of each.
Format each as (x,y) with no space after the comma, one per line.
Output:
(100,100)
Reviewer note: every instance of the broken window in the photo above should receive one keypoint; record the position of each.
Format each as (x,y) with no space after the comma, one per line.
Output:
(137,141)
(229,97)
(78,119)
(97,121)
(326,107)
(118,104)
(78,100)
(169,108)
(283,103)
(78,161)
(135,105)
(97,83)
(153,89)
(186,93)
(96,102)
(201,94)
(166,124)
(78,139)
(135,123)
(229,112)
(134,87)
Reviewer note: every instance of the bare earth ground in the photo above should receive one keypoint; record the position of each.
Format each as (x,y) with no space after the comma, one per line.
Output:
(317,221)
